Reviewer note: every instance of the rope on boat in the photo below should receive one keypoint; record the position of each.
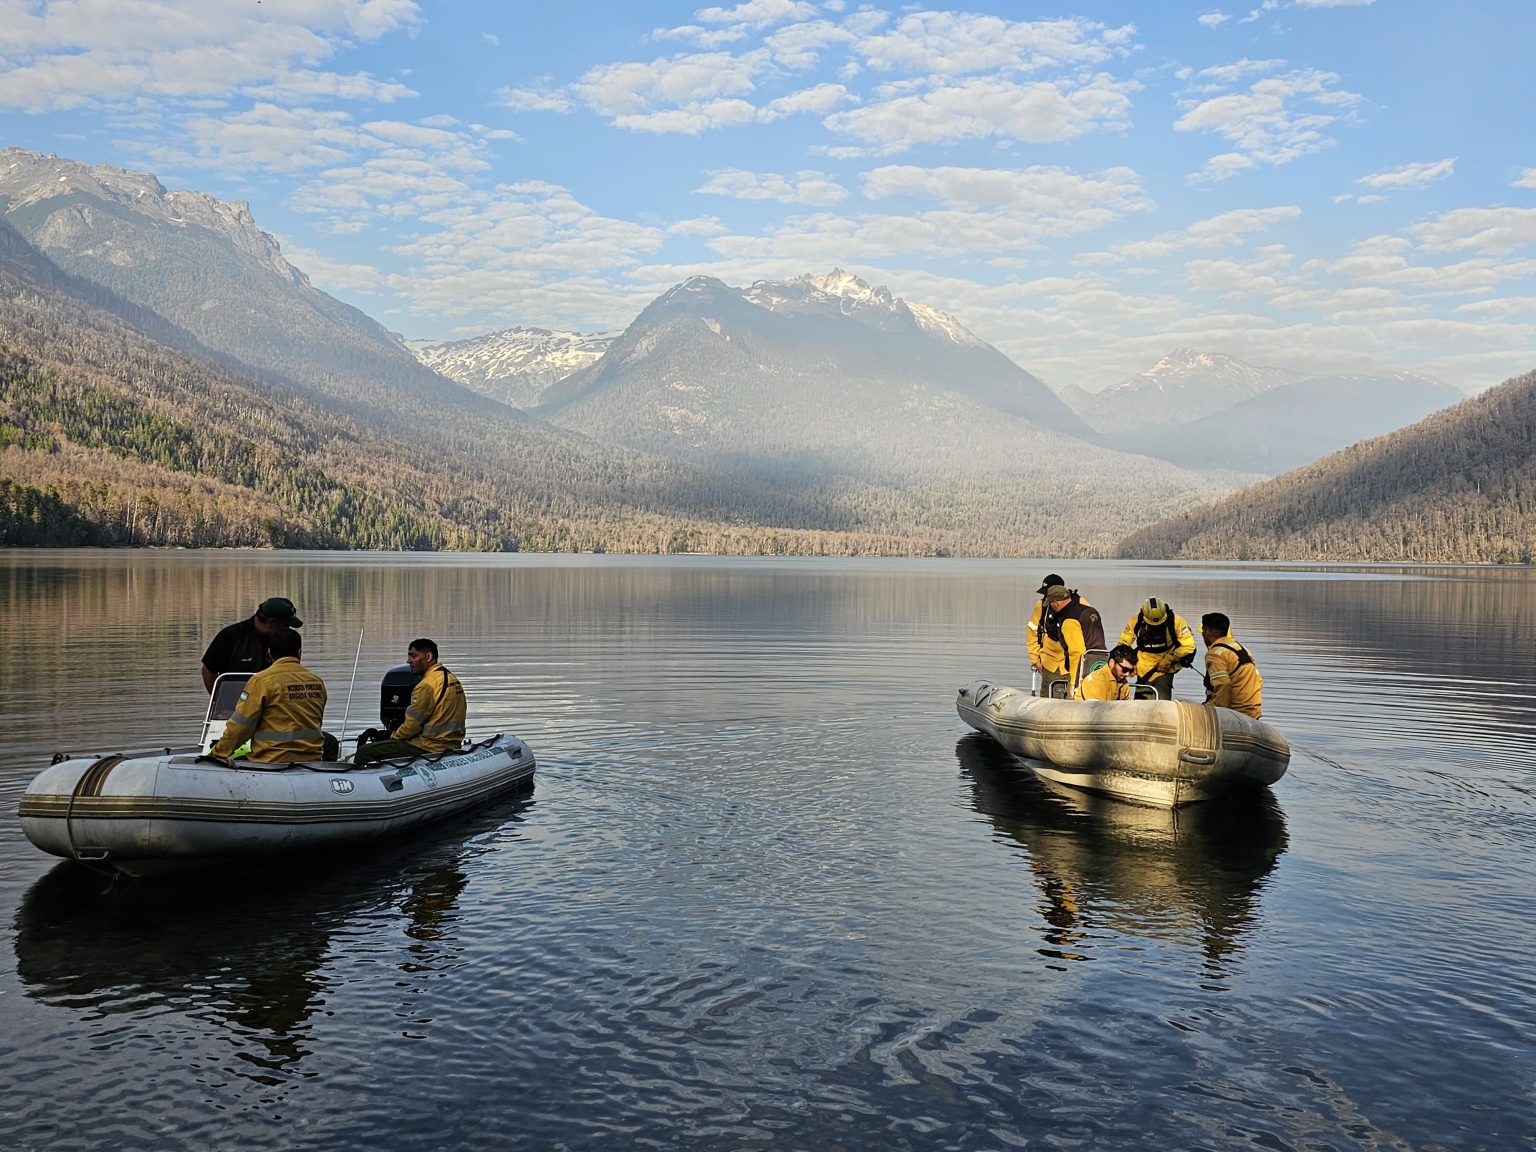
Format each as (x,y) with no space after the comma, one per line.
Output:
(89,784)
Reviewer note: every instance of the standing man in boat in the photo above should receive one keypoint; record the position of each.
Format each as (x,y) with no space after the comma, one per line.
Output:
(1074,626)
(242,647)
(1045,655)
(281,710)
(434,722)
(1232,679)
(1164,644)
(1112,679)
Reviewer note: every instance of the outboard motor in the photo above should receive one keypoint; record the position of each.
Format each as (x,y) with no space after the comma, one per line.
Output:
(395,696)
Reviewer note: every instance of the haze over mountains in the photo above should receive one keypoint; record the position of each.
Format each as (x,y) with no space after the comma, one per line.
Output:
(1458,487)
(190,360)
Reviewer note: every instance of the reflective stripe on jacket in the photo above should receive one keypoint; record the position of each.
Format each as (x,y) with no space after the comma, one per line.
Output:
(434,722)
(280,712)
(1043,650)
(1232,679)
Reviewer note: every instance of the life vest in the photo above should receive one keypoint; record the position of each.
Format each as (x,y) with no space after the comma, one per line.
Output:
(1050,621)
(1242,658)
(1162,637)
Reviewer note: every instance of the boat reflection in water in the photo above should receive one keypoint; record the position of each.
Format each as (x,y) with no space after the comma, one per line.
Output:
(247,959)
(1188,876)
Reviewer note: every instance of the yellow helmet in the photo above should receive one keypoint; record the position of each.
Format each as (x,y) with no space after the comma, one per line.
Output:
(1154,611)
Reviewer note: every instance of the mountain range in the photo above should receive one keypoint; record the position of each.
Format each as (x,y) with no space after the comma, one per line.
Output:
(158,352)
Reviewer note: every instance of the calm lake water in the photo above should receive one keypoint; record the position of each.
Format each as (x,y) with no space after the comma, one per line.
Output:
(769,892)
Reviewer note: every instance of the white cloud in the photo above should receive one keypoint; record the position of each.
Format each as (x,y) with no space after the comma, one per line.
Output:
(1212,19)
(815,101)
(1225,230)
(1044,193)
(815,188)
(759,13)
(694,80)
(954,43)
(1526,179)
(1493,231)
(691,119)
(103,53)
(1037,112)
(1265,124)
(1410,175)
(800,46)
(546,99)
(700,37)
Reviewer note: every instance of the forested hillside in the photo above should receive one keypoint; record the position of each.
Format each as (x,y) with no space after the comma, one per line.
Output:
(110,437)
(1458,487)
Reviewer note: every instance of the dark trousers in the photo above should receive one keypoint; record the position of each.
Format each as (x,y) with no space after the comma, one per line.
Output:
(385,750)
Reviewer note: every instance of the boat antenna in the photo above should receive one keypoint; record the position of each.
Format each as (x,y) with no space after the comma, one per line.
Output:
(355,661)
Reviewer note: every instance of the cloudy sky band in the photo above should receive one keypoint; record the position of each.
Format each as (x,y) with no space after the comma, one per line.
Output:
(1085,191)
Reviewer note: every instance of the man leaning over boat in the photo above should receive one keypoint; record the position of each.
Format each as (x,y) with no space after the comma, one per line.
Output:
(1164,644)
(242,647)
(281,710)
(1232,679)
(434,722)
(1075,626)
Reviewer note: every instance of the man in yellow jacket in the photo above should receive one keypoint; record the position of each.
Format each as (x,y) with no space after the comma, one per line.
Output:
(281,710)
(1232,679)
(1110,680)
(1164,644)
(1045,655)
(434,721)
(1074,625)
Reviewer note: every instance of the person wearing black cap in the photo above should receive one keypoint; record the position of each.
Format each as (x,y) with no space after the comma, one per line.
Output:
(242,647)
(1045,654)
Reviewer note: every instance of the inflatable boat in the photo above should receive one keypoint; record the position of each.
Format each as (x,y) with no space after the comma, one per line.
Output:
(173,809)
(1158,752)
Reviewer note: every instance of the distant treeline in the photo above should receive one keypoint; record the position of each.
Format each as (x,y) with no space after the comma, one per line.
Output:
(1459,487)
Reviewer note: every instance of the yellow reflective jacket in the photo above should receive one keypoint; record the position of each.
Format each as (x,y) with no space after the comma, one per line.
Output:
(280,713)
(434,722)
(1043,650)
(1232,679)
(1158,653)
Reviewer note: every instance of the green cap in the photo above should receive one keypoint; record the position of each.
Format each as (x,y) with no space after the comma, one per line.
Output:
(279,610)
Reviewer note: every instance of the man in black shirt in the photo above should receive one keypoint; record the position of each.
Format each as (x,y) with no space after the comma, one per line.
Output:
(242,647)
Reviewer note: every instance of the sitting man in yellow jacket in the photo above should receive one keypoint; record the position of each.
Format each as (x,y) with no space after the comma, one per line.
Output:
(434,721)
(1110,680)
(281,710)
(1163,642)
(1232,679)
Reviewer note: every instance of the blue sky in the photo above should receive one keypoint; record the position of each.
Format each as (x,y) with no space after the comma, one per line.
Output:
(1320,184)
